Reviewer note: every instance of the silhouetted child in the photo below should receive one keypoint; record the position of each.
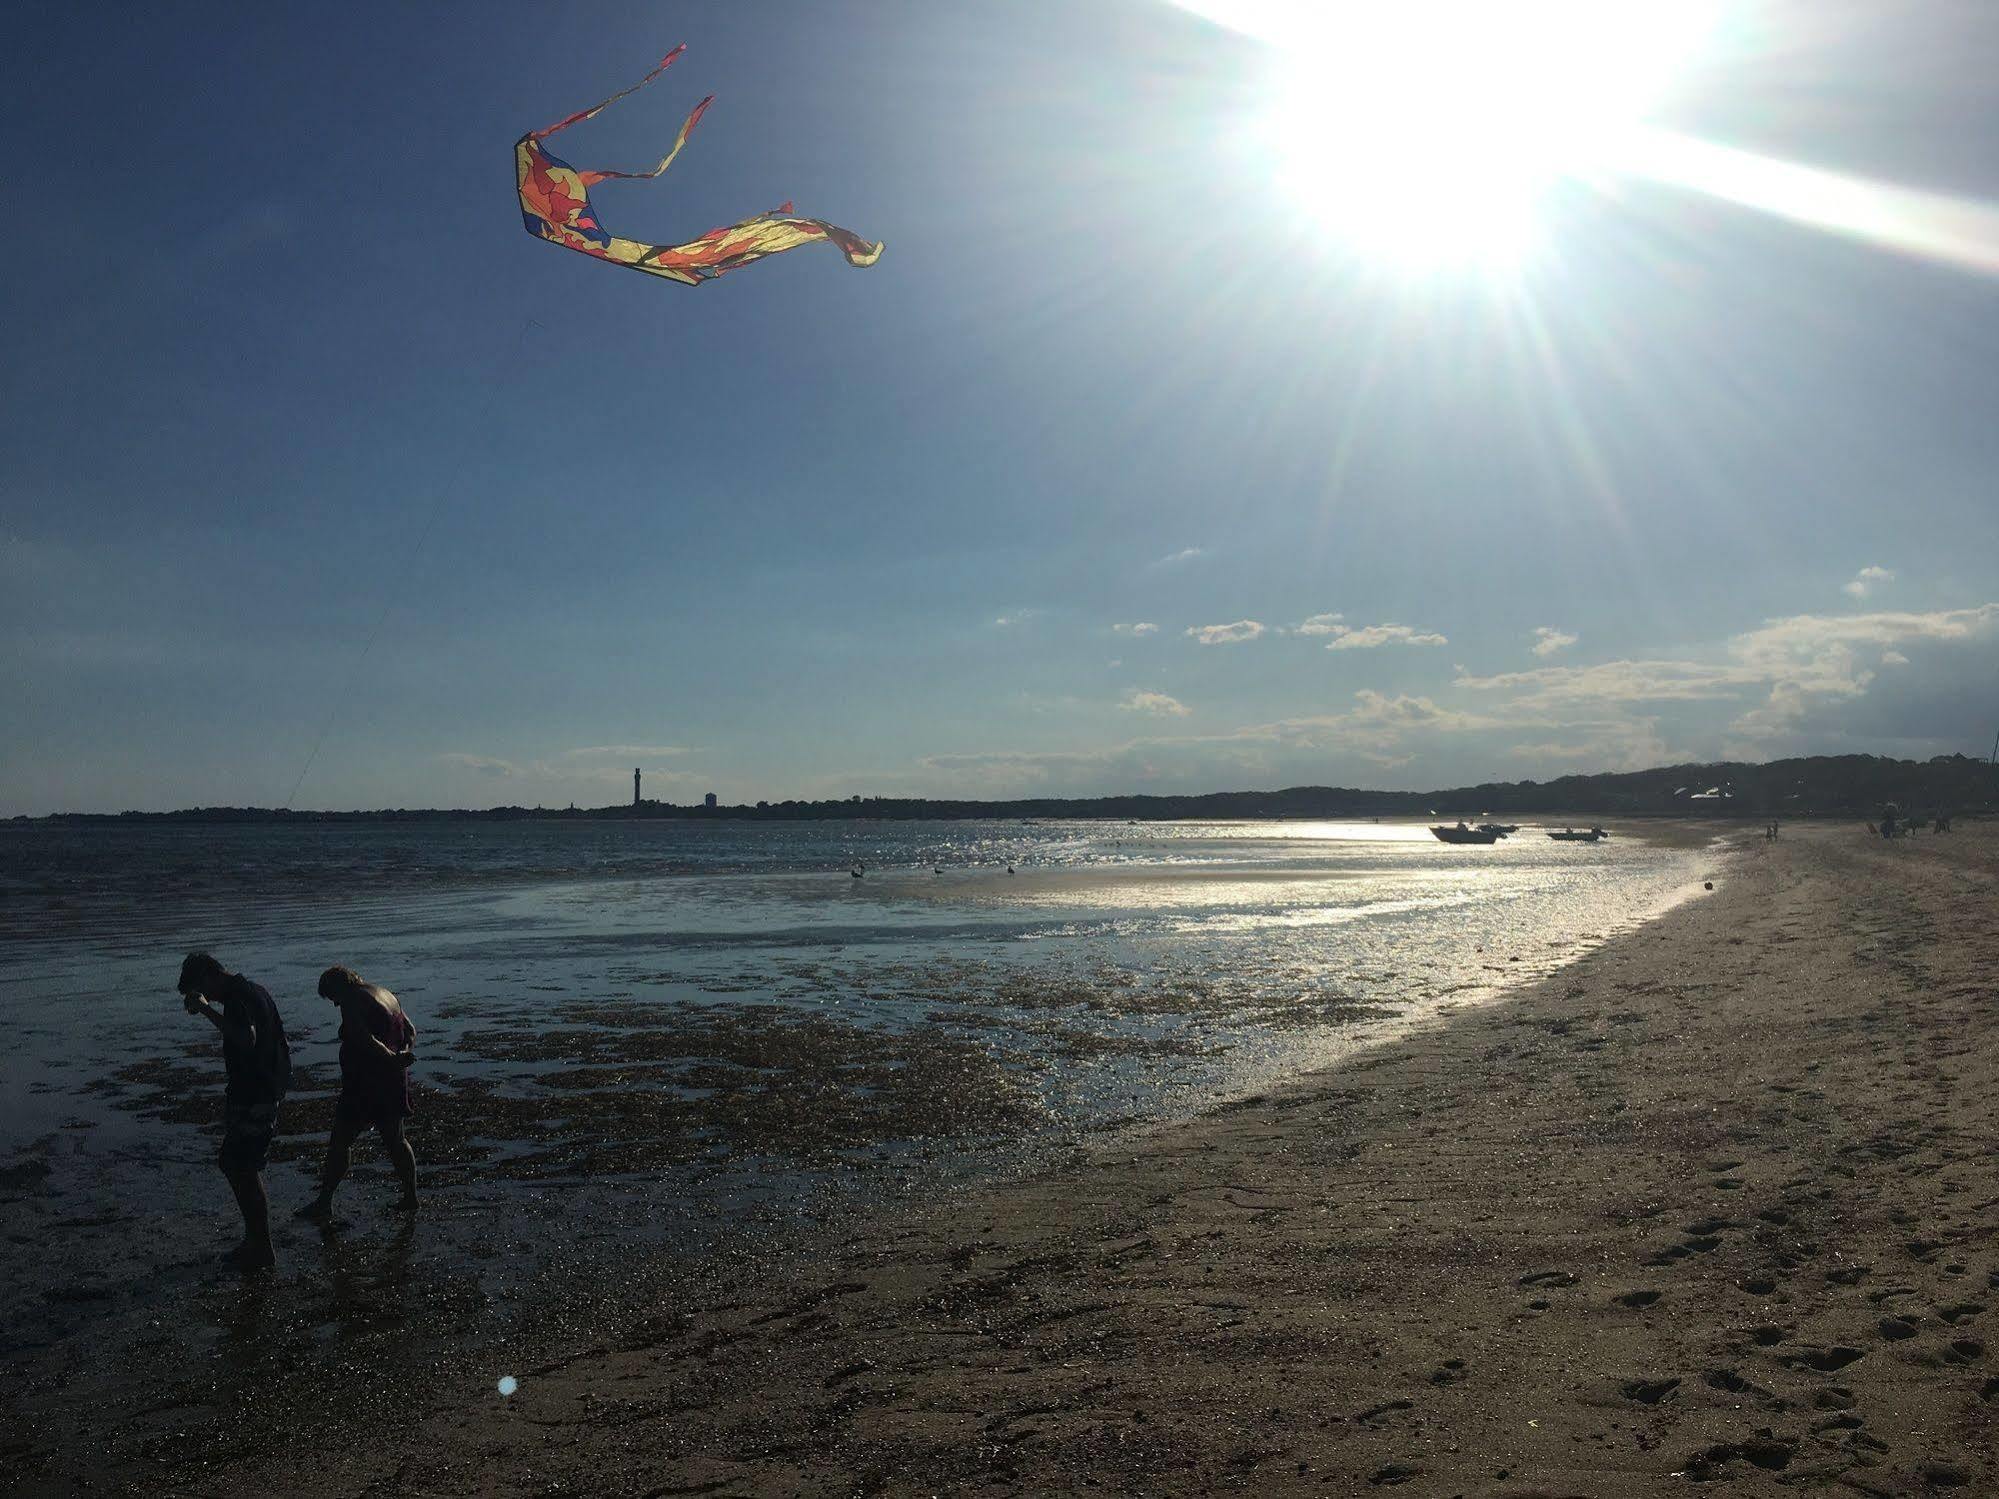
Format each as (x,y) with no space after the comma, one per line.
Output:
(258,1062)
(377,1047)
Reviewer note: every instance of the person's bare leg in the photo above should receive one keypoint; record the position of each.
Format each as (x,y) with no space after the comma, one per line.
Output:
(339,1148)
(255,1252)
(404,1160)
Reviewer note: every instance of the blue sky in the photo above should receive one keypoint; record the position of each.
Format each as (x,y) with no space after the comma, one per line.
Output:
(1120,471)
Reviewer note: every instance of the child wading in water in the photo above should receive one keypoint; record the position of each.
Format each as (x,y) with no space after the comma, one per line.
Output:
(377,1046)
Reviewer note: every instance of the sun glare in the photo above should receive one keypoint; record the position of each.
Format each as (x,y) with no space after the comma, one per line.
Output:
(1425,132)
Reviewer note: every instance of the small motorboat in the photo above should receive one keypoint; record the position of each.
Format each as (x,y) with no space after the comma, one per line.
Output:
(1463,834)
(1573,835)
(1501,828)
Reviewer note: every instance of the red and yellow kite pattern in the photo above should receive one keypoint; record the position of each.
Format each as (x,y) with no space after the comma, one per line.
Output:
(555,204)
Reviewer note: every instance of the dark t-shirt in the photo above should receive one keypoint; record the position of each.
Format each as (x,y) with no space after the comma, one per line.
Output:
(261,1071)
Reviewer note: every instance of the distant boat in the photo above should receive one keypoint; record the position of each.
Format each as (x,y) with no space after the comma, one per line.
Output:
(1463,834)
(1501,828)
(1570,835)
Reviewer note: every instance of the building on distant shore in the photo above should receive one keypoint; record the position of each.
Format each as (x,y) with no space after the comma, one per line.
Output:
(710,801)
(635,785)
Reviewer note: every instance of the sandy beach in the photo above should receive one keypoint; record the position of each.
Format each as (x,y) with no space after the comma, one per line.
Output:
(1713,1204)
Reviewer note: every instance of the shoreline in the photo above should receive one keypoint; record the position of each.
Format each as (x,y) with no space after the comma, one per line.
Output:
(1653,1215)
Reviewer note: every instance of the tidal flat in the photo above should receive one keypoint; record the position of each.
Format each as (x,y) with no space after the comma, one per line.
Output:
(653,1071)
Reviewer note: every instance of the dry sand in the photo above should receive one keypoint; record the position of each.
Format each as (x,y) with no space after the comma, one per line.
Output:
(1713,1205)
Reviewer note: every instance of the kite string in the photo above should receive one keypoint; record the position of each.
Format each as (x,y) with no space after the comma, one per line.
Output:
(409,563)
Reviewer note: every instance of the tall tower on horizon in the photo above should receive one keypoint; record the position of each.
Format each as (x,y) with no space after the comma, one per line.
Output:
(635,785)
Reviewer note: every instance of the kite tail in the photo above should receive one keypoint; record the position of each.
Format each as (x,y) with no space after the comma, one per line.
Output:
(858,250)
(590,179)
(595,109)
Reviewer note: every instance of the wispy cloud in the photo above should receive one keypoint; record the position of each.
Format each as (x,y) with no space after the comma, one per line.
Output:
(1813,659)
(1154,702)
(1552,688)
(1367,637)
(1798,663)
(1017,617)
(1037,763)
(1548,640)
(1618,744)
(482,765)
(626,751)
(1185,554)
(605,764)
(1862,583)
(1242,629)
(1140,628)
(1320,624)
(1378,728)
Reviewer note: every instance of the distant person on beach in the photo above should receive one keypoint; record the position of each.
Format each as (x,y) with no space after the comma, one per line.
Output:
(259,1066)
(377,1046)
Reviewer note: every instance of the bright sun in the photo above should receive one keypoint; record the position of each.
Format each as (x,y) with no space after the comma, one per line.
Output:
(1426,132)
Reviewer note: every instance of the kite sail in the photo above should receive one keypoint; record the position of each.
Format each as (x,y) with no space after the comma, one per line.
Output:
(555,204)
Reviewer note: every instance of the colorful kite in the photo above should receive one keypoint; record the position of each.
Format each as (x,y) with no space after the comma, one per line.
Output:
(555,203)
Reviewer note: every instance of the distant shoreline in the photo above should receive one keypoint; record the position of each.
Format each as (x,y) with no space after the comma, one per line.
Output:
(1816,786)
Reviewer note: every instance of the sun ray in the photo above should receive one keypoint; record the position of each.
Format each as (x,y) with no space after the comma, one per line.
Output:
(1961,232)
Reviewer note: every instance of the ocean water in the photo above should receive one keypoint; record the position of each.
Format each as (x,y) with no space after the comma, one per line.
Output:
(643,1032)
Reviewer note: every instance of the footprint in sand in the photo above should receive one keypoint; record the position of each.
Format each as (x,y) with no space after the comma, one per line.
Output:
(1943,1475)
(1897,1328)
(1765,1450)
(1648,1391)
(1638,1298)
(1826,1360)
(1372,1416)
(1548,1278)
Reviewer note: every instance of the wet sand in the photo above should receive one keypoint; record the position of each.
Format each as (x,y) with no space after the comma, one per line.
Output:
(1712,1204)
